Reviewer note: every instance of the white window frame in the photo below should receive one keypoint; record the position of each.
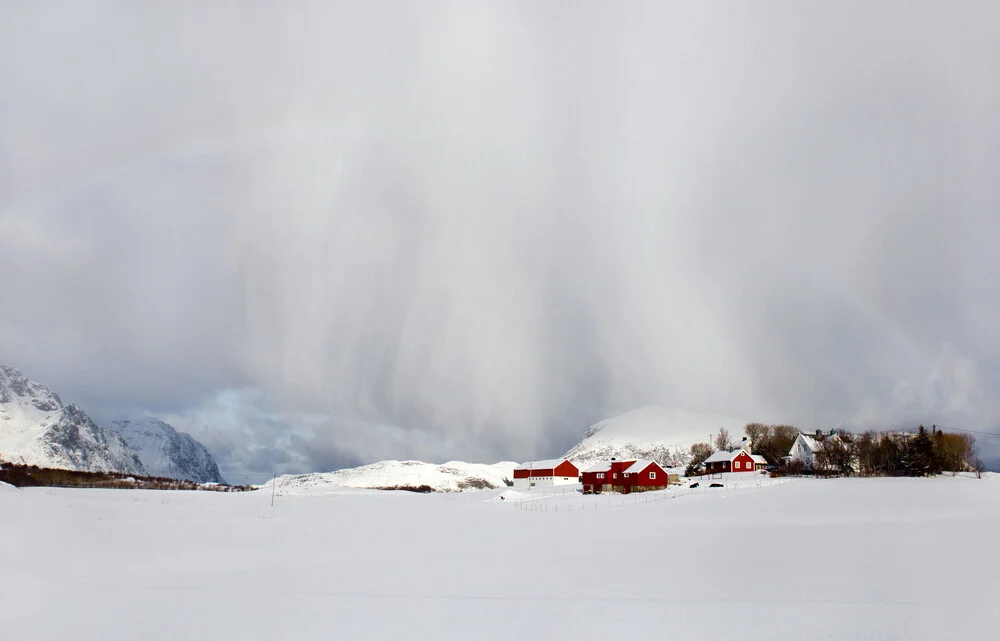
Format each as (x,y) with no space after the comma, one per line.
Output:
(652,475)
(626,474)
(600,475)
(736,465)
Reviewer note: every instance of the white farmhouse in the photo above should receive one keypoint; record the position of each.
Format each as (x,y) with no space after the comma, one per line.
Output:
(804,450)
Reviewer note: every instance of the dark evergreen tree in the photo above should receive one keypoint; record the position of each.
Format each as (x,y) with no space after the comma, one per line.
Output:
(922,454)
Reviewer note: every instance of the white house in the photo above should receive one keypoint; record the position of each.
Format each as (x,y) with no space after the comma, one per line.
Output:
(804,450)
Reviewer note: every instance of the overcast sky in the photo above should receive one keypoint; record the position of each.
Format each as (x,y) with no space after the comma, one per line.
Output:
(322,234)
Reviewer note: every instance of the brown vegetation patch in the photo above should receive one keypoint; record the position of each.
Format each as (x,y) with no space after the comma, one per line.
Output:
(32,476)
(420,489)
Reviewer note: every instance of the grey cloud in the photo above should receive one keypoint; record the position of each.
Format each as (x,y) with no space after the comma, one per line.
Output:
(468,230)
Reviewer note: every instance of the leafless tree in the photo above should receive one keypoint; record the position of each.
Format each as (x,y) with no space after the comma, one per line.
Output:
(722,440)
(837,453)
(757,432)
(699,452)
(954,452)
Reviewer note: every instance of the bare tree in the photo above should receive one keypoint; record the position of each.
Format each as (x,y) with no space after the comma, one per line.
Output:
(757,432)
(954,452)
(978,466)
(837,454)
(722,440)
(699,452)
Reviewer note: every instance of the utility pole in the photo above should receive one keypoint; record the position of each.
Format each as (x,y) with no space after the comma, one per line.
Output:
(274,484)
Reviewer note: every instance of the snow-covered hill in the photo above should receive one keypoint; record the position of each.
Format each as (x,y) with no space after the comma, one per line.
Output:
(650,432)
(454,476)
(37,429)
(166,452)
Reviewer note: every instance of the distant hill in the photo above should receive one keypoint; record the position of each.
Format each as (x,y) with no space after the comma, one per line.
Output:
(454,476)
(651,432)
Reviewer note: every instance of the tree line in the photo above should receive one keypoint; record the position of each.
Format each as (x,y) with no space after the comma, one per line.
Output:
(844,453)
(924,453)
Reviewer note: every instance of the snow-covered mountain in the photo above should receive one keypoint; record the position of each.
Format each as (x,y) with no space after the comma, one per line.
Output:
(166,452)
(454,476)
(37,429)
(651,432)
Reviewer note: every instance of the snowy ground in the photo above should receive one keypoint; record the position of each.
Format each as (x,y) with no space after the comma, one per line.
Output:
(806,559)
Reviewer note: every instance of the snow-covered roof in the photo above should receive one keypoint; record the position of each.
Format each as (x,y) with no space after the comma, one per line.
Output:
(638,466)
(722,456)
(757,458)
(603,466)
(808,441)
(541,465)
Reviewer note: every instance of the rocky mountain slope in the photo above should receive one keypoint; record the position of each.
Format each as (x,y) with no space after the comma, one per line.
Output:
(651,432)
(454,476)
(166,452)
(37,429)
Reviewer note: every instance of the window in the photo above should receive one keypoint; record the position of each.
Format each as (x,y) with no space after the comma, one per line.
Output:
(615,475)
(626,474)
(652,475)
(737,465)
(600,475)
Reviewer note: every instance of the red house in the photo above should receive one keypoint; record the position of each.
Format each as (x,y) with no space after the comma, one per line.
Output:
(644,475)
(607,476)
(551,472)
(735,461)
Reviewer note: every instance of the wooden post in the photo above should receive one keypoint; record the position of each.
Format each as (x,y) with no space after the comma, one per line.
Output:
(274,484)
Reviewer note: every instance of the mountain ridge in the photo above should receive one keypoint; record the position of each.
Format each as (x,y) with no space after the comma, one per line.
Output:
(37,428)
(167,452)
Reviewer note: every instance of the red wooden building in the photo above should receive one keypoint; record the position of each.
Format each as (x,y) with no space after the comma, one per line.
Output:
(551,472)
(623,476)
(603,476)
(735,461)
(644,475)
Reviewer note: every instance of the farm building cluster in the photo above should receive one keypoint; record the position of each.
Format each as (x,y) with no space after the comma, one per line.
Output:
(631,475)
(611,476)
(809,453)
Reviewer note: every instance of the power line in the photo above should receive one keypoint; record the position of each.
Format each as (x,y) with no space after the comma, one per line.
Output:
(962,429)
(942,428)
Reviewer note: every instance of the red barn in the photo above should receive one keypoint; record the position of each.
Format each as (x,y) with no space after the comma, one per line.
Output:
(607,476)
(644,475)
(735,461)
(551,472)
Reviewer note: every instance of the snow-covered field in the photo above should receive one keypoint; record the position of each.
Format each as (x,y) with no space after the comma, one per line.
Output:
(805,559)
